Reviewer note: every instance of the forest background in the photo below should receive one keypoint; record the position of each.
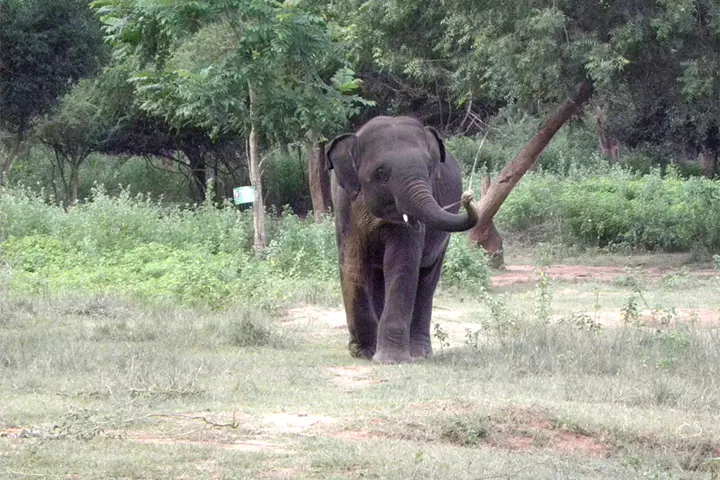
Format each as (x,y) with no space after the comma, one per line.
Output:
(163,108)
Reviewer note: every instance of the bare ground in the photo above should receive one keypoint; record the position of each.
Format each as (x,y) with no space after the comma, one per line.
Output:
(519,274)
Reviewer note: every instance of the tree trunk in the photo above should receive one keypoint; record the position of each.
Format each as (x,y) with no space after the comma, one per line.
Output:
(487,236)
(211,186)
(16,150)
(197,170)
(256,175)
(325,178)
(609,147)
(706,159)
(319,179)
(74,182)
(512,173)
(60,162)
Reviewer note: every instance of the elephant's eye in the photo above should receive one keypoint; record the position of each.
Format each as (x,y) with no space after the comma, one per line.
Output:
(381,174)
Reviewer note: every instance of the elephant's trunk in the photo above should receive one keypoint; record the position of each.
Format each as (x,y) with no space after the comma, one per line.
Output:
(416,200)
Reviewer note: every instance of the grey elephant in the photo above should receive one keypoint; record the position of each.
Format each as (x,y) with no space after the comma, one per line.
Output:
(397,193)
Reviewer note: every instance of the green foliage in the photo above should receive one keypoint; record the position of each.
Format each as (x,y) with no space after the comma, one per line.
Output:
(303,249)
(542,308)
(285,179)
(136,175)
(75,128)
(198,61)
(654,66)
(252,329)
(203,256)
(466,266)
(441,336)
(154,271)
(465,430)
(129,245)
(573,148)
(47,45)
(616,207)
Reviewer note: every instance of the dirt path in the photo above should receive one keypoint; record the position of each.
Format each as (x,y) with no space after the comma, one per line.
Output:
(519,274)
(458,320)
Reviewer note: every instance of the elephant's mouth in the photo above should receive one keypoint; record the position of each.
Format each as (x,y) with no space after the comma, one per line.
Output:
(411,222)
(406,220)
(392,215)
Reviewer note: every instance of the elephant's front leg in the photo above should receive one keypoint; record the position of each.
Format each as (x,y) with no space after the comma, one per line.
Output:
(401,264)
(361,318)
(420,344)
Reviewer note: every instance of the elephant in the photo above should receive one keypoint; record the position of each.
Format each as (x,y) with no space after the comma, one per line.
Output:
(396,193)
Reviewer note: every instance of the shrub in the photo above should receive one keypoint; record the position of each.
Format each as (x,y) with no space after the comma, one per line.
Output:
(653,211)
(252,329)
(465,265)
(302,248)
(509,132)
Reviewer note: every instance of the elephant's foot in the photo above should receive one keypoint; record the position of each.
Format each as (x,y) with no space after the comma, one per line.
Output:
(420,350)
(392,356)
(359,351)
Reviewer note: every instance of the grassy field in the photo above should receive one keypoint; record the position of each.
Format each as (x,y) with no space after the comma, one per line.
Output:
(586,377)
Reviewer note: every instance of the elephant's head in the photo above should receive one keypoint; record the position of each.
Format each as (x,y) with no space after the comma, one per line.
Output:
(390,165)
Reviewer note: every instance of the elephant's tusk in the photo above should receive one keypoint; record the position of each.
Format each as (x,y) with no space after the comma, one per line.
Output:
(405,217)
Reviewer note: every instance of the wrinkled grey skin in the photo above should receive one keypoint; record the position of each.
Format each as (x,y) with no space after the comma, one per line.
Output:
(390,182)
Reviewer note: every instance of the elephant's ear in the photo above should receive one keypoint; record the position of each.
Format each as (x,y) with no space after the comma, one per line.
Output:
(436,144)
(342,154)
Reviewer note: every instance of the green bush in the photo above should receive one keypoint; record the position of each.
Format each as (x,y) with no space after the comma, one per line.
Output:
(466,266)
(135,174)
(303,248)
(203,255)
(132,245)
(652,211)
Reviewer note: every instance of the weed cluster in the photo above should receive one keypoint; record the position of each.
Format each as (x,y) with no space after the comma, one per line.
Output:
(132,245)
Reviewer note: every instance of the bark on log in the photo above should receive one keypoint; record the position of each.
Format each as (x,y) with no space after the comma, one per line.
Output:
(498,191)
(319,180)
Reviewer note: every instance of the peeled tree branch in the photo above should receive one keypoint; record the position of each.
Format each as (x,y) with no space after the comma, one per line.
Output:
(484,234)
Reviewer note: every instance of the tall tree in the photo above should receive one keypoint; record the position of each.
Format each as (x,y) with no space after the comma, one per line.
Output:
(251,68)
(45,46)
(73,130)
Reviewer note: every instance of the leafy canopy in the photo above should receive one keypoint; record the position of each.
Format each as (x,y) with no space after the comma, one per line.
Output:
(655,63)
(195,61)
(45,46)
